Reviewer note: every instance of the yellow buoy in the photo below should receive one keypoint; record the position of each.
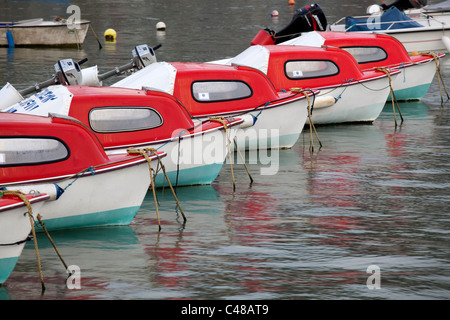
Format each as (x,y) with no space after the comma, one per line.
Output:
(414,53)
(110,35)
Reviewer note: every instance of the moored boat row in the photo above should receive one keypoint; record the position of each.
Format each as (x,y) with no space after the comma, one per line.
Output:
(84,155)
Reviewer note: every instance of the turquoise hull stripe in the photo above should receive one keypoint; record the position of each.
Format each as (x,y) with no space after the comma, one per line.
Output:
(6,267)
(415,93)
(193,176)
(116,217)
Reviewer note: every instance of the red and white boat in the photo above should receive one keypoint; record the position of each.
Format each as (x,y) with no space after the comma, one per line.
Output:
(15,227)
(380,51)
(123,118)
(354,95)
(208,90)
(61,157)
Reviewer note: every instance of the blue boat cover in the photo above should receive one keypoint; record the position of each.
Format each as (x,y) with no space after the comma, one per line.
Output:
(381,23)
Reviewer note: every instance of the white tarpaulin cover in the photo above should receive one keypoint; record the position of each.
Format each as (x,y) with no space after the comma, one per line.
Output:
(311,39)
(54,99)
(158,75)
(255,56)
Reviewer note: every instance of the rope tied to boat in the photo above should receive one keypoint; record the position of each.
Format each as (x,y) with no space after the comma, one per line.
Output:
(393,99)
(346,81)
(438,71)
(311,124)
(27,202)
(225,127)
(260,111)
(145,153)
(78,175)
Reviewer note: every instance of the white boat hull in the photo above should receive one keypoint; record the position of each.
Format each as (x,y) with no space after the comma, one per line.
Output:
(192,160)
(45,34)
(15,227)
(414,81)
(360,102)
(98,199)
(426,38)
(278,127)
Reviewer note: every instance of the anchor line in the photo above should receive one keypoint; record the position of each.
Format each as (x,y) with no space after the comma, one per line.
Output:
(311,124)
(144,152)
(225,127)
(25,200)
(394,100)
(439,75)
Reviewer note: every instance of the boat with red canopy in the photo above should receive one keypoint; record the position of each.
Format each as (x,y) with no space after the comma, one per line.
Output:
(207,90)
(123,118)
(381,51)
(59,156)
(354,95)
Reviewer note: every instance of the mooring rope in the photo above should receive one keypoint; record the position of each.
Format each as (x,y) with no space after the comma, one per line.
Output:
(243,160)
(439,75)
(225,126)
(393,99)
(25,200)
(51,240)
(161,164)
(311,124)
(144,152)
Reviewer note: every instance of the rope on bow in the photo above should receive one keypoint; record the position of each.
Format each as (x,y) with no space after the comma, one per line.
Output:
(311,124)
(439,75)
(25,200)
(225,127)
(393,99)
(144,152)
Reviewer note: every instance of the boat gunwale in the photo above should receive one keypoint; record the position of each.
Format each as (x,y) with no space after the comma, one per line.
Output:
(18,204)
(7,26)
(112,165)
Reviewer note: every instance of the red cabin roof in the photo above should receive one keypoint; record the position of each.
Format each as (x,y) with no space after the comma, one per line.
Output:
(57,146)
(172,115)
(396,52)
(189,75)
(392,51)
(318,67)
(119,117)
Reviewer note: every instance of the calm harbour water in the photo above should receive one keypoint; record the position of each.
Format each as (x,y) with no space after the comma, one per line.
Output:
(372,195)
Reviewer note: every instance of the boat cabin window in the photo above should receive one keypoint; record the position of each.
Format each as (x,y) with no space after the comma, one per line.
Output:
(122,119)
(367,54)
(307,69)
(213,91)
(31,151)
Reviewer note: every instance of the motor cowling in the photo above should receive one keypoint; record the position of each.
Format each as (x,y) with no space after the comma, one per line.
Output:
(308,18)
(143,56)
(68,72)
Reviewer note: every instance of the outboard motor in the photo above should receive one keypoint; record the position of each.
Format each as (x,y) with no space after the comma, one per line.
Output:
(406,4)
(68,72)
(308,18)
(143,56)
